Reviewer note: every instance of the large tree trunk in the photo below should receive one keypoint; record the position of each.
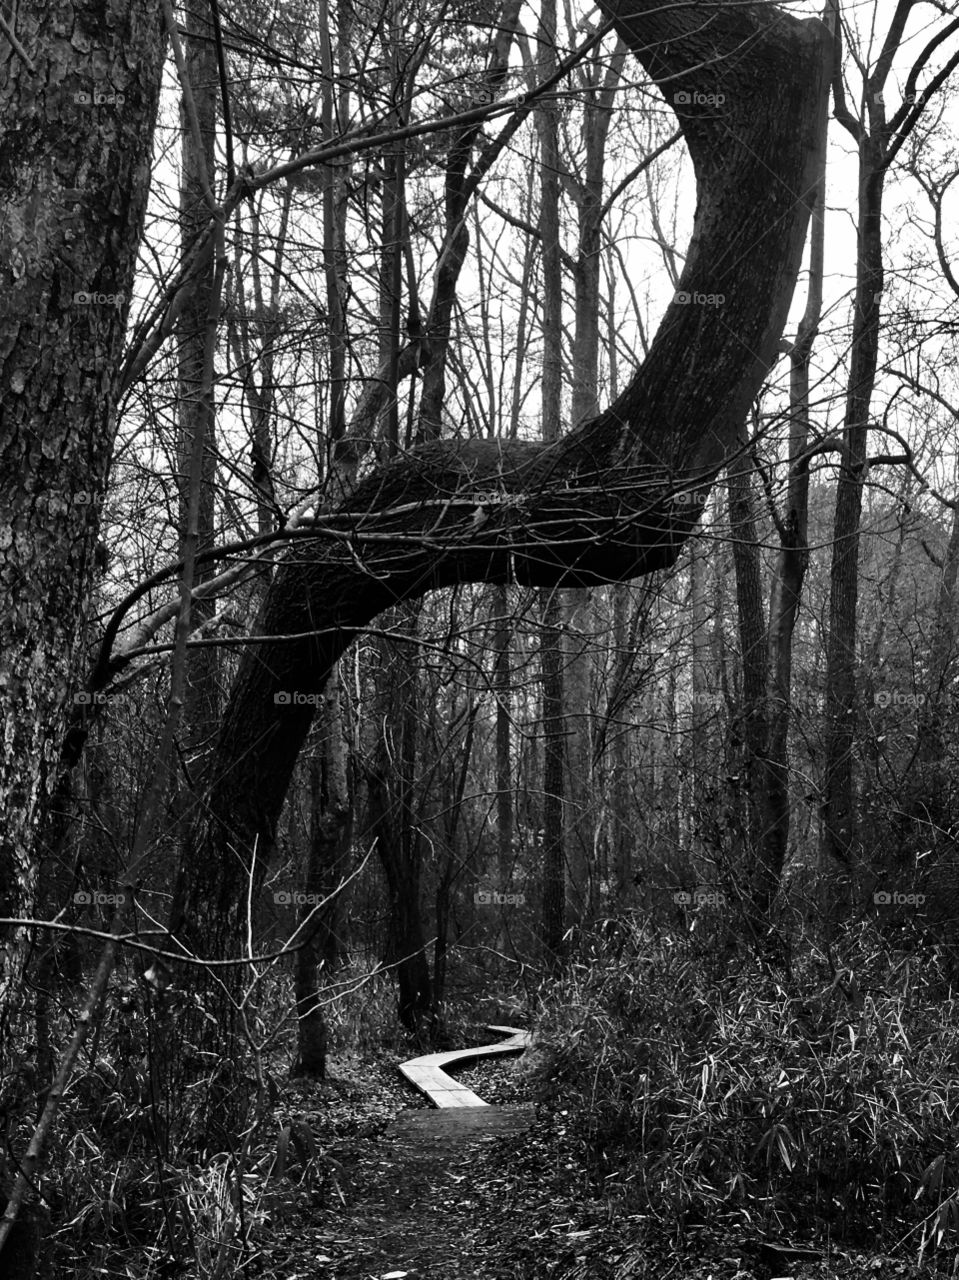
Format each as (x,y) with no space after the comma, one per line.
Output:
(74,179)
(68,245)
(596,505)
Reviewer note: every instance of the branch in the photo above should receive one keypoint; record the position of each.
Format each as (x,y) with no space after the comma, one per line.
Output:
(640,168)
(17,46)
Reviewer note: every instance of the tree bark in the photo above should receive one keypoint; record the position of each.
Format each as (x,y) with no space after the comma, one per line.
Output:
(74,179)
(596,505)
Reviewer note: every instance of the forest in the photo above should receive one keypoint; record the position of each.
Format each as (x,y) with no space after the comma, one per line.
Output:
(479,639)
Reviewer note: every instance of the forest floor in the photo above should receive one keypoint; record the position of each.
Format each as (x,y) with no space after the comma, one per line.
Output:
(402,1191)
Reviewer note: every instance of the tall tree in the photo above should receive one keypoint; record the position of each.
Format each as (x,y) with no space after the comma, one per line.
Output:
(594,506)
(196,413)
(74,180)
(552,605)
(787,588)
(879,140)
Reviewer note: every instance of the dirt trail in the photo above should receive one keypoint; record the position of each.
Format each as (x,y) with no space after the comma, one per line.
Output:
(413,1209)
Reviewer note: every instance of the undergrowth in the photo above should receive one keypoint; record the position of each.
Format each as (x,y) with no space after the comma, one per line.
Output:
(129,1189)
(824,1104)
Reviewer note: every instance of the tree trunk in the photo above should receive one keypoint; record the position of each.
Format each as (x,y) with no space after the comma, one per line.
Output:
(596,505)
(406,947)
(553,611)
(582,797)
(554,779)
(456,196)
(702,715)
(930,748)
(787,586)
(74,179)
(621,834)
(838,848)
(333,187)
(454,861)
(196,416)
(582,809)
(330,828)
(751,726)
(502,679)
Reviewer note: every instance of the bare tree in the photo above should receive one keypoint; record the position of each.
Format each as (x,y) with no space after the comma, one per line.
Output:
(879,140)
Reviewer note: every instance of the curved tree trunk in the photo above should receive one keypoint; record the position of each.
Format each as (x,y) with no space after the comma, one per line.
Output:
(594,506)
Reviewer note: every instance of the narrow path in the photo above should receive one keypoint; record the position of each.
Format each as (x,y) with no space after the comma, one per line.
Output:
(415,1214)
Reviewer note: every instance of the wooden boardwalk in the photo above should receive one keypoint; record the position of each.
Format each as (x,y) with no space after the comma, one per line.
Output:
(427,1073)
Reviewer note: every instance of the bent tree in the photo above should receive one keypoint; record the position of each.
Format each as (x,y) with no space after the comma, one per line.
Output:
(596,505)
